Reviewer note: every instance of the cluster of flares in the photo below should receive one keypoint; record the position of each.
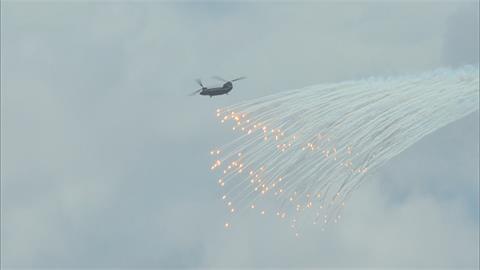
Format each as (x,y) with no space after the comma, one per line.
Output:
(300,154)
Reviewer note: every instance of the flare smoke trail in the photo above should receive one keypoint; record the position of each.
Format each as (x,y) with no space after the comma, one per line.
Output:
(302,153)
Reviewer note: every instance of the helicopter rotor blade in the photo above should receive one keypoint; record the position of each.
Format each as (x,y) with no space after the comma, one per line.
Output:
(238,79)
(196,92)
(200,83)
(219,78)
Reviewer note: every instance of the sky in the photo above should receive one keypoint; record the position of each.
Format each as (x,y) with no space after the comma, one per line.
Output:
(105,158)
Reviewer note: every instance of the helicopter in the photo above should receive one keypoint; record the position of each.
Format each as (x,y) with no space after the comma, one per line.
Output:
(216,91)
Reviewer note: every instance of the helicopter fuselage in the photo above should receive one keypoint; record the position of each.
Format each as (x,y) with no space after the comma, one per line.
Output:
(217,91)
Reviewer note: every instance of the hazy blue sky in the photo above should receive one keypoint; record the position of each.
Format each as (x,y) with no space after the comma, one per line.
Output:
(105,159)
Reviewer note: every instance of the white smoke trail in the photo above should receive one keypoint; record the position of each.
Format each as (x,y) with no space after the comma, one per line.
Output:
(302,153)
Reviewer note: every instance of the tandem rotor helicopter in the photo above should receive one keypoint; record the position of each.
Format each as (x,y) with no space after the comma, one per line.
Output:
(216,91)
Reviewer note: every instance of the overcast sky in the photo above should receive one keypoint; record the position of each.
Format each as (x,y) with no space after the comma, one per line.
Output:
(105,159)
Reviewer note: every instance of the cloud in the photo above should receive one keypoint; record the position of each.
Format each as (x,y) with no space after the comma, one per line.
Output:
(105,158)
(462,35)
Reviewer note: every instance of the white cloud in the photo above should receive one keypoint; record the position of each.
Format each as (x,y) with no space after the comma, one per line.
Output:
(105,158)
